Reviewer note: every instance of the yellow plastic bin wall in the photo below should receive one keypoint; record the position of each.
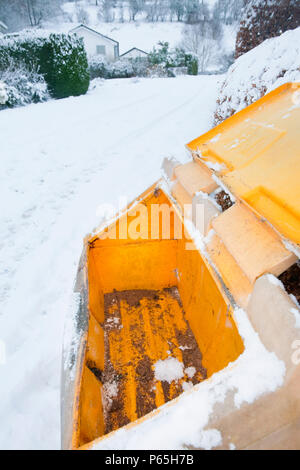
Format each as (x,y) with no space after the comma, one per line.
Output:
(127,264)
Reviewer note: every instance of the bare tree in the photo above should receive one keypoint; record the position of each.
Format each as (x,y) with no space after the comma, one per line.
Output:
(196,11)
(40,10)
(163,10)
(82,15)
(197,41)
(18,14)
(177,8)
(205,53)
(228,11)
(151,9)
(135,7)
(121,13)
(106,12)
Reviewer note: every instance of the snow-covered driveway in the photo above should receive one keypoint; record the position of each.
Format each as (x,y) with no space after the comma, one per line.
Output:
(58,162)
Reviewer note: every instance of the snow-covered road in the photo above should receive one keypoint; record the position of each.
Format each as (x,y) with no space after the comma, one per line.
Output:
(58,162)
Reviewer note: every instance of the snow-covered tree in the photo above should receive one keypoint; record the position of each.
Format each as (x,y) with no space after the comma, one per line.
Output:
(106,12)
(135,7)
(18,14)
(196,11)
(197,39)
(177,9)
(3,94)
(82,15)
(228,11)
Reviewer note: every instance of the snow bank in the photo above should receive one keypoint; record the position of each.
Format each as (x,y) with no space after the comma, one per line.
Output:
(271,64)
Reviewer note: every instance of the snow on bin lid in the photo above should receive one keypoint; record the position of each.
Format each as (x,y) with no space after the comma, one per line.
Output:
(256,154)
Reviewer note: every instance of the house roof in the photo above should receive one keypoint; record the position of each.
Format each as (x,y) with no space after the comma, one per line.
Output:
(92,31)
(134,49)
(3,25)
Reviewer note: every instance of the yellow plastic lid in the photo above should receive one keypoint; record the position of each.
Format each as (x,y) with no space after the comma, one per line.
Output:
(256,154)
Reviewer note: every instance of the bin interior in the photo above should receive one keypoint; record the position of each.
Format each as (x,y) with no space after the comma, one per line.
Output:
(158,324)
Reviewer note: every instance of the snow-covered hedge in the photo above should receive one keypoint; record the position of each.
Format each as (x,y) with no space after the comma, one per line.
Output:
(161,62)
(273,63)
(123,68)
(61,59)
(168,58)
(265,19)
(3,94)
(20,86)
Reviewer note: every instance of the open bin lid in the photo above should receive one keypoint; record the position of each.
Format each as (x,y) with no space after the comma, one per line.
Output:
(256,154)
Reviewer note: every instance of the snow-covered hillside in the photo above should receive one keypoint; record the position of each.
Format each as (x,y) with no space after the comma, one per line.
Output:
(59,161)
(140,33)
(271,64)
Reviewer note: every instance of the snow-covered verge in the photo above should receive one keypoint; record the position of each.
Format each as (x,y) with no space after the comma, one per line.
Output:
(60,161)
(20,86)
(259,71)
(182,424)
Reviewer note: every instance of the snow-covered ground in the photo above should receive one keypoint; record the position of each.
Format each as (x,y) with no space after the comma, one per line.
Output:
(59,161)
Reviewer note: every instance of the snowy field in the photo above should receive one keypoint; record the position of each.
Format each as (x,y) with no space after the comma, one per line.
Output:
(140,33)
(59,161)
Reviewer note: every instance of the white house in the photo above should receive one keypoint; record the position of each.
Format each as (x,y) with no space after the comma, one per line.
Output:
(96,43)
(134,53)
(3,27)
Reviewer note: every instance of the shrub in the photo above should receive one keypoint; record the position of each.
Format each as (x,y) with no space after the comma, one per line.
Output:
(183,59)
(3,94)
(159,71)
(173,58)
(64,65)
(161,55)
(120,69)
(264,19)
(61,59)
(193,67)
(123,68)
(98,66)
(21,86)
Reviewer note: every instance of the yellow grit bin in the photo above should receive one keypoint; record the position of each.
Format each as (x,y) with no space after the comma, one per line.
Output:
(156,284)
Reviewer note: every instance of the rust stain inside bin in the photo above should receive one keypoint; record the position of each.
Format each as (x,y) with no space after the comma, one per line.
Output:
(142,327)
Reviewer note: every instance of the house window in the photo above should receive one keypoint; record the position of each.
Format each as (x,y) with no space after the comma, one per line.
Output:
(116,49)
(101,50)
